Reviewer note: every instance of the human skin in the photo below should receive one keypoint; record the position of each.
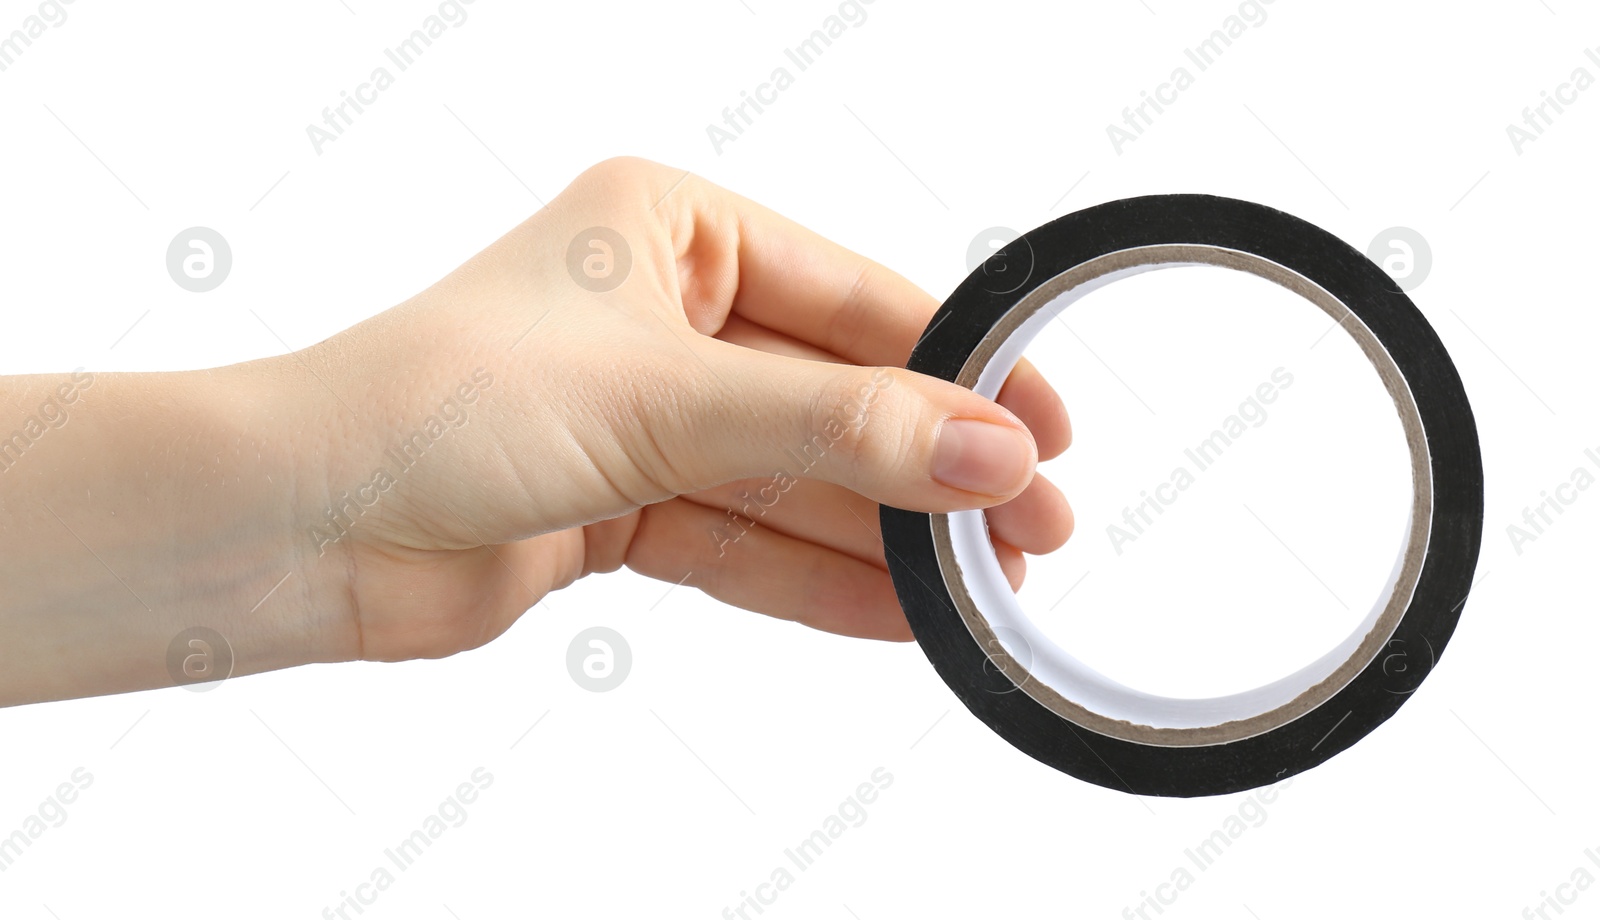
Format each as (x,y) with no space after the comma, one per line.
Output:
(604,429)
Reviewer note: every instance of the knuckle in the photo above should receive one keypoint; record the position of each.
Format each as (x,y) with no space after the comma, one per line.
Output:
(617,166)
(847,326)
(865,420)
(623,171)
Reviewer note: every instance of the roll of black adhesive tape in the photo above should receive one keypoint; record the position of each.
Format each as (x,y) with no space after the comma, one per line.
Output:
(1038,696)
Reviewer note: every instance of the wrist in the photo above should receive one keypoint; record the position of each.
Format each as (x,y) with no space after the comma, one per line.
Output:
(154,504)
(293,586)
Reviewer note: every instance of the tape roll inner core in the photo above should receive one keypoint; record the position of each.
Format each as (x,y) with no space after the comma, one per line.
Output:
(1067,686)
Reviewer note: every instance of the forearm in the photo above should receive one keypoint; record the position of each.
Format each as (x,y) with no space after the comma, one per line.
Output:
(136,506)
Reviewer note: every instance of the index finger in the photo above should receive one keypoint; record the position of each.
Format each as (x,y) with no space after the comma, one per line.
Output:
(780,275)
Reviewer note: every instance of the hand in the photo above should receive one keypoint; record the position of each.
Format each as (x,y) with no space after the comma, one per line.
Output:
(666,424)
(708,393)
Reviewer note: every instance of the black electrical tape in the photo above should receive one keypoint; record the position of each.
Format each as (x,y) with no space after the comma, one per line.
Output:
(1447,550)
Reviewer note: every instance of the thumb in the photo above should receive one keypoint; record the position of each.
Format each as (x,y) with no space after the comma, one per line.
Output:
(894,436)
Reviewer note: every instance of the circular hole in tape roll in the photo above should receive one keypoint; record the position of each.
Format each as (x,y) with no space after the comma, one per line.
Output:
(1058,710)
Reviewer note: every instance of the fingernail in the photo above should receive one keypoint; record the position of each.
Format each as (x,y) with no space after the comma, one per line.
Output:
(982,457)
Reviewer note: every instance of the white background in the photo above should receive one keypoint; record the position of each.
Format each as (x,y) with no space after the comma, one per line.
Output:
(734,736)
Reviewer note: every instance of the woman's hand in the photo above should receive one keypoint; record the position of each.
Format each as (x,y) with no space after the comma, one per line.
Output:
(650,372)
(660,415)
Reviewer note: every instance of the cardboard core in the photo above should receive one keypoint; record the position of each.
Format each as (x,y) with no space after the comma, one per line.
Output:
(1068,687)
